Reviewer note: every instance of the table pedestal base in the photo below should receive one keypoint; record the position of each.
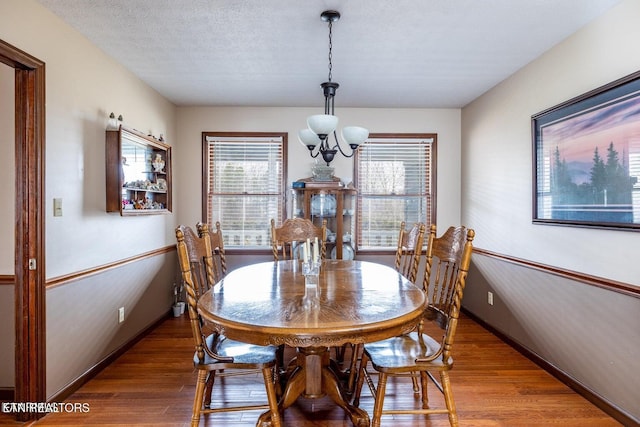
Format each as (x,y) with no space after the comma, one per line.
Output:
(313,377)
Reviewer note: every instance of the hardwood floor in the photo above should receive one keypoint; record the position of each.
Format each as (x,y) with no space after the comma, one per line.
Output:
(153,384)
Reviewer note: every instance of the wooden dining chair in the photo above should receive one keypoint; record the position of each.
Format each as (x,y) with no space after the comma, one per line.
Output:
(408,255)
(286,239)
(215,354)
(447,264)
(407,260)
(409,250)
(217,250)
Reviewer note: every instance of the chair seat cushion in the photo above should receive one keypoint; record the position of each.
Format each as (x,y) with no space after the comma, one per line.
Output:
(240,352)
(399,353)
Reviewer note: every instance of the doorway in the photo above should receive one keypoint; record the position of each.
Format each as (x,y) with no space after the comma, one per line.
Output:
(29,225)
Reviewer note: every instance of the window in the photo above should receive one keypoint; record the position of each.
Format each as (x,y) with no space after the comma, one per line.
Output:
(243,185)
(396,180)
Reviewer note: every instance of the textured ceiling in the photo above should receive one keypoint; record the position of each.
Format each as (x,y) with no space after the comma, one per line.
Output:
(401,53)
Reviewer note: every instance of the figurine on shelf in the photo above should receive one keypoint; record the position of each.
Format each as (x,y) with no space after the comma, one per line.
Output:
(112,123)
(158,163)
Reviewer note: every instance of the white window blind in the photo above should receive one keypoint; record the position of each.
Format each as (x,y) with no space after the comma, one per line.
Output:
(245,186)
(395,177)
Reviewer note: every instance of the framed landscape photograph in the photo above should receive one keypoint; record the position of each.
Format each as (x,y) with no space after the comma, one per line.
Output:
(586,159)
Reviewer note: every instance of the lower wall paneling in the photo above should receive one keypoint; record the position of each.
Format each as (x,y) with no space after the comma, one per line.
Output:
(587,332)
(82,314)
(7,337)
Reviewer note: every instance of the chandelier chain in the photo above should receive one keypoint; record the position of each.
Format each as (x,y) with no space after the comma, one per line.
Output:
(330,49)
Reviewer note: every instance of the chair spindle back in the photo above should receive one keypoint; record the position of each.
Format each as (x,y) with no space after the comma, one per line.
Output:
(217,249)
(409,250)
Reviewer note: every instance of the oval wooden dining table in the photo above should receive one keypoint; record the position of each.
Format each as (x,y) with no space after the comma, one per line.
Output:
(356,302)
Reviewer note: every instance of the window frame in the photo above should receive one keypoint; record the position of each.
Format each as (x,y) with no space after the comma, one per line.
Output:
(433,174)
(229,249)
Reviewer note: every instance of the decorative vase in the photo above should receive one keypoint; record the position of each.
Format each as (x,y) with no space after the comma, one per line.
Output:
(176,310)
(112,123)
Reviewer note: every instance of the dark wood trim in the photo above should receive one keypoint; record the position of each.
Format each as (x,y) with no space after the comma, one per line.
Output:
(249,252)
(385,251)
(576,386)
(7,394)
(29,216)
(16,58)
(600,282)
(67,278)
(7,279)
(95,369)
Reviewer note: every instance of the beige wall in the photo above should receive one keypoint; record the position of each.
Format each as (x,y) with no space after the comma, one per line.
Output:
(7,169)
(591,334)
(83,86)
(497,161)
(192,121)
(7,195)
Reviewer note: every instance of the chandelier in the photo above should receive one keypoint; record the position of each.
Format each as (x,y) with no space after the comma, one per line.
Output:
(317,137)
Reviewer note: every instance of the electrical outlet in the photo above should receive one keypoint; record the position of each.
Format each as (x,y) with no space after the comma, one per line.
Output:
(121,315)
(490,298)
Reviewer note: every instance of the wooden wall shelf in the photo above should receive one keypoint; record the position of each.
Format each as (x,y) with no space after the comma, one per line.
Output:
(138,173)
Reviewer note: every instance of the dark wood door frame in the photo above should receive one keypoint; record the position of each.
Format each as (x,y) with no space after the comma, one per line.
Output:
(29,234)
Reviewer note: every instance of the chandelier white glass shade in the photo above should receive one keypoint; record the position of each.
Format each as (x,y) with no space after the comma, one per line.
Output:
(320,127)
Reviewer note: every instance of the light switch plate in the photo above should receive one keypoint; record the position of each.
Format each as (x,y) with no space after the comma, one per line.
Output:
(57,207)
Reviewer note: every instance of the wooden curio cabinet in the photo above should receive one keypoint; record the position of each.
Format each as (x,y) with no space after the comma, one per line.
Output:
(138,174)
(338,207)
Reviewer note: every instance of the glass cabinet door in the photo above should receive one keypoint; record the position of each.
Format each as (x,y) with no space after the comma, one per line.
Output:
(337,207)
